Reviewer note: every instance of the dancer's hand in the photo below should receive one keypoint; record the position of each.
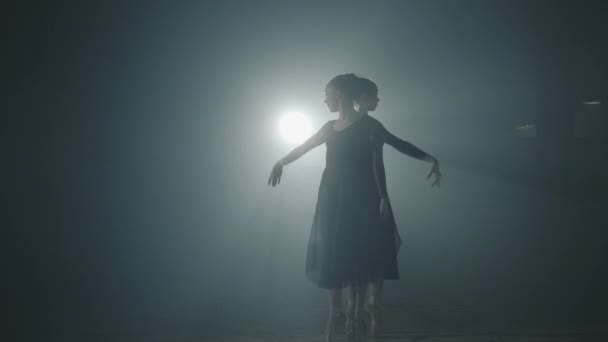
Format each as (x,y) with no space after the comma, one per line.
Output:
(275,174)
(384,209)
(435,171)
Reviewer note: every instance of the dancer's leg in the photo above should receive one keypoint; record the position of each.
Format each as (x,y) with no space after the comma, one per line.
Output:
(334,302)
(373,305)
(338,309)
(360,327)
(349,326)
(355,326)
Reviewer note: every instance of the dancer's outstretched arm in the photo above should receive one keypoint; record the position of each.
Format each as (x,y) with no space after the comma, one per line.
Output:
(412,151)
(317,139)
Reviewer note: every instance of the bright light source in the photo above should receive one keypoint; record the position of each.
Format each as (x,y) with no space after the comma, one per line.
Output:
(295,127)
(591,102)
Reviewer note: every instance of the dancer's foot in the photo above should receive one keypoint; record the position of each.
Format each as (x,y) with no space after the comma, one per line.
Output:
(373,328)
(349,329)
(372,310)
(356,330)
(330,332)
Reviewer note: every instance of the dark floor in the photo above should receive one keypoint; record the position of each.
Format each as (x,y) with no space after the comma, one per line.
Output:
(249,322)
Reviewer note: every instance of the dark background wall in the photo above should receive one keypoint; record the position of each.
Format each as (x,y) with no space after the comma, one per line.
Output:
(137,138)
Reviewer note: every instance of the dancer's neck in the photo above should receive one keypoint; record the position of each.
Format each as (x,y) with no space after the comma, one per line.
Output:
(351,115)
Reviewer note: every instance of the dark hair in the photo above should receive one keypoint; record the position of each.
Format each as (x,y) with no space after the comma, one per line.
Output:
(347,84)
(352,86)
(368,87)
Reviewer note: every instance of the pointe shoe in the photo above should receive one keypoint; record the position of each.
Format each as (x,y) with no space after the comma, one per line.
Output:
(356,331)
(373,328)
(349,330)
(330,332)
(373,319)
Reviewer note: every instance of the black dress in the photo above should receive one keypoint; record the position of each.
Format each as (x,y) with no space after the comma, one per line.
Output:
(349,242)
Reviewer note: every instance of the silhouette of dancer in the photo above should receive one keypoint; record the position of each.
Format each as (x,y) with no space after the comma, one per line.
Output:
(352,240)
